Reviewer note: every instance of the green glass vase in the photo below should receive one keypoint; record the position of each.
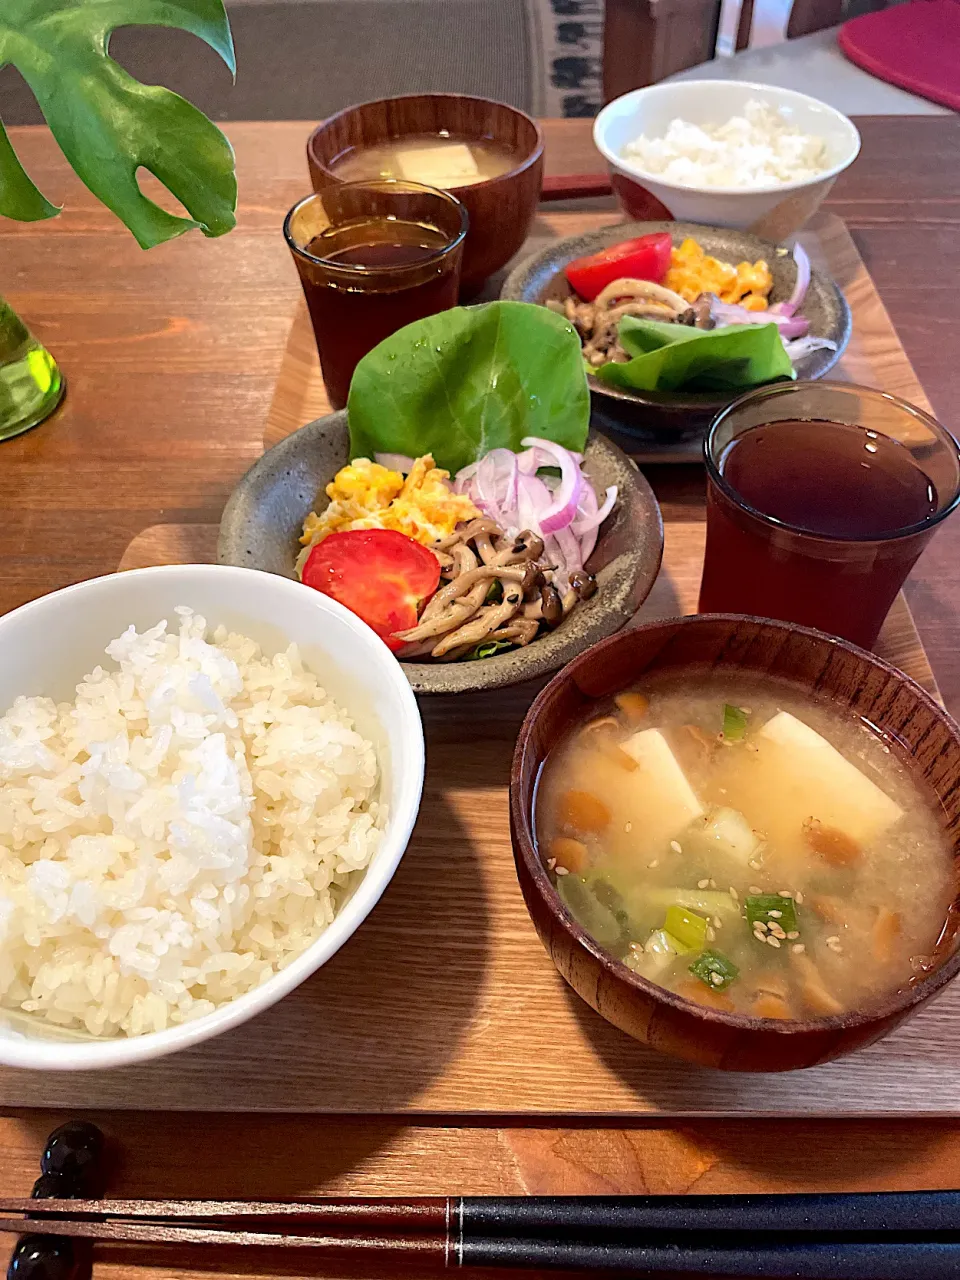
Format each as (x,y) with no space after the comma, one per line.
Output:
(31,385)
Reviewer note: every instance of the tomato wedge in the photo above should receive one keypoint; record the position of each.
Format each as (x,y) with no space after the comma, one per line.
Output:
(380,575)
(646,258)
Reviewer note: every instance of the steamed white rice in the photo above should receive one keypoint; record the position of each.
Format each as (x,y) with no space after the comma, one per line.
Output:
(760,148)
(182,830)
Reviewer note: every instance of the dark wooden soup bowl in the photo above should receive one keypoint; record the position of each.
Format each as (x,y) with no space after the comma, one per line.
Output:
(859,683)
(501,209)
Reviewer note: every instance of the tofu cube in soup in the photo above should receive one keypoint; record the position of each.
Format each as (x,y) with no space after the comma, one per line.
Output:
(775,862)
(811,779)
(664,800)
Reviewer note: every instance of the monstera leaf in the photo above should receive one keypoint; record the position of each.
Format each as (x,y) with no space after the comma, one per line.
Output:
(109,124)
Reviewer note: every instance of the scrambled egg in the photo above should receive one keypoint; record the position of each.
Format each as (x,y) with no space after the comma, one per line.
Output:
(365,495)
(692,273)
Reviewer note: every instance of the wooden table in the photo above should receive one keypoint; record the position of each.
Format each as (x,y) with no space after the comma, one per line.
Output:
(171,358)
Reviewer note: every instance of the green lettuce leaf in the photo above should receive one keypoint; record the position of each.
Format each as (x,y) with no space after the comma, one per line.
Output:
(108,124)
(466,381)
(675,357)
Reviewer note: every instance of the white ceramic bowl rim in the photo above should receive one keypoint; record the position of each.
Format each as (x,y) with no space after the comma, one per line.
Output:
(766,91)
(93,1054)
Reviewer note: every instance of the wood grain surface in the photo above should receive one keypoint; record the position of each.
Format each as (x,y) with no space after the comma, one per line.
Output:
(172,358)
(447,977)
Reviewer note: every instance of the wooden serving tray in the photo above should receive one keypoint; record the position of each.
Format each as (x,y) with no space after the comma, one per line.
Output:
(445,1002)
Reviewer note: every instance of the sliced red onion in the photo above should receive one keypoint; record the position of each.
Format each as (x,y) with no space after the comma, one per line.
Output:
(395,461)
(533,498)
(802,284)
(800,348)
(463,477)
(563,508)
(564,512)
(730,313)
(586,523)
(493,487)
(795,301)
(570,551)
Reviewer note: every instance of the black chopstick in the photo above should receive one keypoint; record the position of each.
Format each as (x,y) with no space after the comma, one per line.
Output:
(841,1260)
(868,1212)
(926,1212)
(856,1236)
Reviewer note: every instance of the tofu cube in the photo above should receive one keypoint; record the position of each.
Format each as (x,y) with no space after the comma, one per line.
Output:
(811,779)
(663,800)
(444,165)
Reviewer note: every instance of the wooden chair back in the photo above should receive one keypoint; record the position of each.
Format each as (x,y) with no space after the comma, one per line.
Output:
(646,40)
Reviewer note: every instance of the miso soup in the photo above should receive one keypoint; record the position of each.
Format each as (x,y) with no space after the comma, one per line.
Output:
(746,847)
(435,159)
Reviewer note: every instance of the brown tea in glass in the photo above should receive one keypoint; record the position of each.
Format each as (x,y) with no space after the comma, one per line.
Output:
(820,498)
(372,257)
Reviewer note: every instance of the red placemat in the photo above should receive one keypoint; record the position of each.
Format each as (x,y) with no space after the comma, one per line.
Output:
(915,46)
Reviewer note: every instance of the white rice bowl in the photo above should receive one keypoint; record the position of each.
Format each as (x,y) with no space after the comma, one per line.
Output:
(200,825)
(178,833)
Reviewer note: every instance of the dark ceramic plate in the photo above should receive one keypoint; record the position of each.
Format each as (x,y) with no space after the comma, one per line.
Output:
(666,417)
(262,521)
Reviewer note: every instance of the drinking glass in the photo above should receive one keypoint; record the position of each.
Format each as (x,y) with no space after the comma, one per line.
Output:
(372,257)
(31,385)
(861,504)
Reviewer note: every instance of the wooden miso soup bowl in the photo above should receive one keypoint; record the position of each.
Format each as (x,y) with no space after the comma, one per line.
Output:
(859,684)
(501,209)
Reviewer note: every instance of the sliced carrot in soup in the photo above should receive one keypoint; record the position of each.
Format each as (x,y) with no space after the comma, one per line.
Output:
(583,811)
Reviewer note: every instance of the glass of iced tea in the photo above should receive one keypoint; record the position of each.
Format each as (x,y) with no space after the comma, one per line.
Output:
(820,498)
(372,257)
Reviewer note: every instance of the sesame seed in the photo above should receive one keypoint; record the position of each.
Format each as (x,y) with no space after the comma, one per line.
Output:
(755,888)
(717,922)
(794,933)
(777,931)
(798,949)
(746,711)
(798,898)
(834,938)
(551,863)
(761,925)
(711,934)
(716,979)
(734,895)
(628,827)
(562,871)
(654,863)
(702,884)
(773,942)
(784,893)
(712,884)
(760,937)
(676,846)
(774,915)
(754,864)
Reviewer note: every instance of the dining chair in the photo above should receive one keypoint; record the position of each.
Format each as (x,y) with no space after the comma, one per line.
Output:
(646,40)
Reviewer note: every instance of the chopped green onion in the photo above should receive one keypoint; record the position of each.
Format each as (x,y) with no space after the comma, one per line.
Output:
(494,592)
(734,723)
(687,928)
(611,898)
(714,970)
(769,909)
(489,647)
